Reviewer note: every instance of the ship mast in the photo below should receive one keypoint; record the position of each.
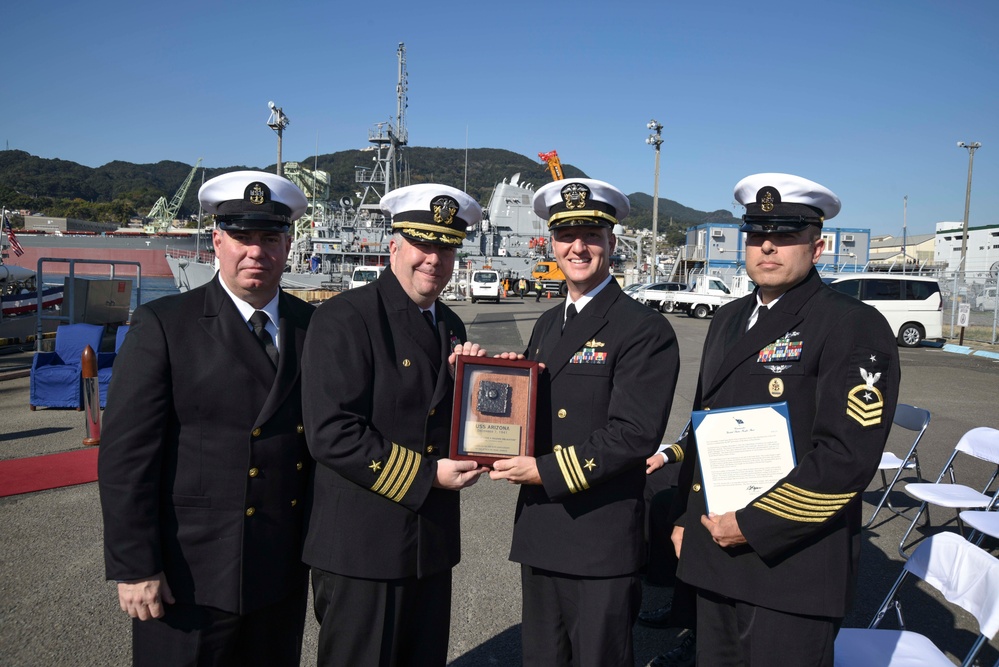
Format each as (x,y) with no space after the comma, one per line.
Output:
(387,141)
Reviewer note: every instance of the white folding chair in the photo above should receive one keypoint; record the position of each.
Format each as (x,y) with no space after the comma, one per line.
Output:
(966,575)
(980,443)
(913,419)
(981,522)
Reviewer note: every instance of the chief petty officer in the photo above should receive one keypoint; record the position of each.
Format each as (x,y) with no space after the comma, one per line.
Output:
(776,577)
(203,465)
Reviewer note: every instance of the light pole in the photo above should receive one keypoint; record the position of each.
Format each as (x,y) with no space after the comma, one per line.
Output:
(657,141)
(972,147)
(277,122)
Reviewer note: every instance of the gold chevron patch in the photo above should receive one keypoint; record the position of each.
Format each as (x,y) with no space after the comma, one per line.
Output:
(399,473)
(568,463)
(796,504)
(864,405)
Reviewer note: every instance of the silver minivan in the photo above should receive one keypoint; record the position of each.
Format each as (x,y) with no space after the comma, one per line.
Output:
(911,304)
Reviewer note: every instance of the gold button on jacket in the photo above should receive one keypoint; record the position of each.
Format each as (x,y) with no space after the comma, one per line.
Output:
(256,432)
(250,511)
(254,472)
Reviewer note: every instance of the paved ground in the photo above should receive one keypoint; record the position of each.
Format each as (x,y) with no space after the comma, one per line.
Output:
(55,608)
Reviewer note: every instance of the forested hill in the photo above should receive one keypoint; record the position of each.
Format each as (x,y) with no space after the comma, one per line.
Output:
(119,190)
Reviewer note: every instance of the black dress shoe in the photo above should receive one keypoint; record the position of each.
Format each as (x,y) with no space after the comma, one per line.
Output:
(657,618)
(682,655)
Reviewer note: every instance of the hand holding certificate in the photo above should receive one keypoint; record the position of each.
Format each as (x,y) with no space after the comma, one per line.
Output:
(742,452)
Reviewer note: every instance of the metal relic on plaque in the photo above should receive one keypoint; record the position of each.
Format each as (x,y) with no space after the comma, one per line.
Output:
(495,406)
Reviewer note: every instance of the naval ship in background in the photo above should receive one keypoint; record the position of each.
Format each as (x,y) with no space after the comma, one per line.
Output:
(333,238)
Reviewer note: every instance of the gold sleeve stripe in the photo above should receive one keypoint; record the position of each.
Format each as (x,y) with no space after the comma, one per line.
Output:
(788,516)
(569,481)
(816,494)
(804,501)
(568,463)
(789,512)
(796,504)
(678,452)
(577,468)
(399,473)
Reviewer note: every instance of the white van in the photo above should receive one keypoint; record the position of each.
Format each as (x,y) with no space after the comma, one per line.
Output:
(363,275)
(986,300)
(486,285)
(911,304)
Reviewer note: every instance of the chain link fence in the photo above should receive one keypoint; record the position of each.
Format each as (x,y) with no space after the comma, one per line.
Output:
(979,291)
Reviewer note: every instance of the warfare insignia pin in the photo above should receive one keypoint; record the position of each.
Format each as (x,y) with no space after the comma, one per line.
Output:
(257,193)
(777,368)
(593,343)
(444,209)
(776,387)
(574,195)
(865,403)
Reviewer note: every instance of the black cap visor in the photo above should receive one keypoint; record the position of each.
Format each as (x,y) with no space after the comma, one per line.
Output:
(777,225)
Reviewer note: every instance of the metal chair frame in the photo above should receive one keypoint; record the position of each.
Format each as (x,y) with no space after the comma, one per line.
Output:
(981,443)
(957,569)
(910,418)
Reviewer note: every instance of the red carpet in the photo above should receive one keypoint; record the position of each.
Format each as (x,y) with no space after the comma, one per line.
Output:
(52,471)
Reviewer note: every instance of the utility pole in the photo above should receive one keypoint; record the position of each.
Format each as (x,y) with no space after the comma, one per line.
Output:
(657,141)
(277,122)
(972,147)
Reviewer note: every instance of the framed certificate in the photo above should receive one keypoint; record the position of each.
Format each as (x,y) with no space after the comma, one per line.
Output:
(495,405)
(742,452)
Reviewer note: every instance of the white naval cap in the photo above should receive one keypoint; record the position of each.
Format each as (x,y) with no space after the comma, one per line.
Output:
(252,200)
(581,201)
(431,213)
(784,203)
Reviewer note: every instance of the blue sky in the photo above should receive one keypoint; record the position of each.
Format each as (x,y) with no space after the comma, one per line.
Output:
(867,98)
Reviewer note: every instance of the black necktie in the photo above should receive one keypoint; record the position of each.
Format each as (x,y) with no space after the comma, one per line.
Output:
(259,320)
(761,312)
(429,317)
(570,314)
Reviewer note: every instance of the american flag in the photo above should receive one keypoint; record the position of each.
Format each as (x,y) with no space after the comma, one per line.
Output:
(11,239)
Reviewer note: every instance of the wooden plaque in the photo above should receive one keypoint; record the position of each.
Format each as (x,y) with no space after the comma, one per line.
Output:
(495,406)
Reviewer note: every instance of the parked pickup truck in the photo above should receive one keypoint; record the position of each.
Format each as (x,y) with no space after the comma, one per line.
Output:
(706,296)
(654,294)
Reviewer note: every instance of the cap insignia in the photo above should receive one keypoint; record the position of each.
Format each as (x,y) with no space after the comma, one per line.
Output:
(444,209)
(257,193)
(574,195)
(767,201)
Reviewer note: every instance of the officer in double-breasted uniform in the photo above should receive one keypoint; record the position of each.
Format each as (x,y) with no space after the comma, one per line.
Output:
(776,577)
(383,531)
(203,464)
(610,369)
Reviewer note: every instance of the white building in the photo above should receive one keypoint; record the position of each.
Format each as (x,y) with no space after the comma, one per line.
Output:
(982,247)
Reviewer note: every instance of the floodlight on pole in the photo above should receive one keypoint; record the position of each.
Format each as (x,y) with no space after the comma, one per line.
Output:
(657,141)
(277,122)
(972,147)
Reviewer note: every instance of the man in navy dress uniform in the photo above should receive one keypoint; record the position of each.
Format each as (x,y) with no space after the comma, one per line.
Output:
(610,369)
(203,465)
(383,531)
(776,577)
